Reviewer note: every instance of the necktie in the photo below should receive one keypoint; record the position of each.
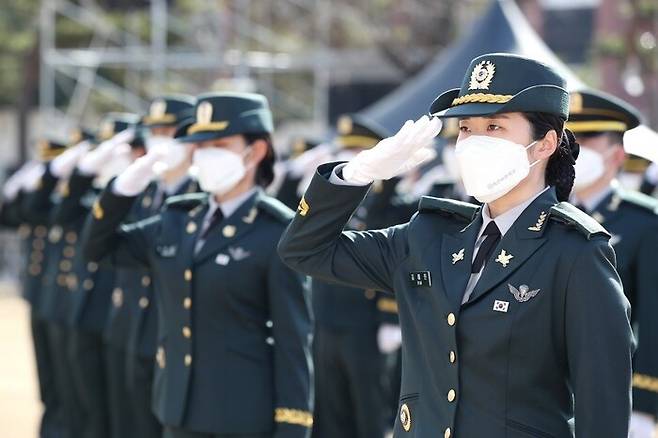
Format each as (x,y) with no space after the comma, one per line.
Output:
(493,237)
(216,218)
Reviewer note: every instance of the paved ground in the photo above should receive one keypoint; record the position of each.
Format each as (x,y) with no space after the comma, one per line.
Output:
(19,402)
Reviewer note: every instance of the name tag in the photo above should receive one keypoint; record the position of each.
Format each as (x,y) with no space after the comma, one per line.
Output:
(166,250)
(421,279)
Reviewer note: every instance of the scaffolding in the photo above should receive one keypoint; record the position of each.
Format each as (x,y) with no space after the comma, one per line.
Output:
(223,41)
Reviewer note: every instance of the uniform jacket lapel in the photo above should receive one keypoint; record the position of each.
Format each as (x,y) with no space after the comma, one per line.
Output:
(456,260)
(230,229)
(521,241)
(606,211)
(192,229)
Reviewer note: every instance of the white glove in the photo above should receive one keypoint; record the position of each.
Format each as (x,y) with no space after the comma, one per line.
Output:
(393,156)
(92,162)
(135,179)
(15,182)
(32,177)
(642,425)
(651,173)
(308,161)
(389,338)
(62,165)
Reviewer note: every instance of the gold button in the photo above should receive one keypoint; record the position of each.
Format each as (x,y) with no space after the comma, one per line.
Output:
(370,294)
(143,302)
(191,227)
(187,332)
(71,237)
(39,244)
(451,319)
(34,270)
(117,297)
(40,231)
(69,251)
(453,357)
(188,360)
(187,303)
(146,281)
(61,280)
(447,433)
(92,267)
(88,284)
(452,395)
(36,257)
(65,265)
(229,231)
(188,275)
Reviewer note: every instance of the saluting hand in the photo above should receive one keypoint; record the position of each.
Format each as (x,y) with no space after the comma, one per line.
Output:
(62,165)
(95,160)
(393,156)
(138,175)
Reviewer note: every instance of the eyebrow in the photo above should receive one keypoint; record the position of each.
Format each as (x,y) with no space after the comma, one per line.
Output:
(489,117)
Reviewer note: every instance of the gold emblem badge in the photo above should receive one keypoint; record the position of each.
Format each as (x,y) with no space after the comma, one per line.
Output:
(504,258)
(303,207)
(458,256)
(229,231)
(405,417)
(482,76)
(345,125)
(575,103)
(204,113)
(158,109)
(106,129)
(540,222)
(97,210)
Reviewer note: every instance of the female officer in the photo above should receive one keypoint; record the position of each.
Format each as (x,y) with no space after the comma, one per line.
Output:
(513,316)
(233,338)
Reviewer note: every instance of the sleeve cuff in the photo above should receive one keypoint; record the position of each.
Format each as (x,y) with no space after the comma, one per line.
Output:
(336,177)
(293,416)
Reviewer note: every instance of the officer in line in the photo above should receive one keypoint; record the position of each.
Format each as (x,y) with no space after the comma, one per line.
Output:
(350,391)
(234,328)
(169,117)
(33,230)
(599,121)
(496,303)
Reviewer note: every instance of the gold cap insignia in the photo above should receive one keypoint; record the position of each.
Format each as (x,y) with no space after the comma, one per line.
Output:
(106,130)
(158,109)
(482,76)
(405,417)
(345,125)
(204,113)
(575,103)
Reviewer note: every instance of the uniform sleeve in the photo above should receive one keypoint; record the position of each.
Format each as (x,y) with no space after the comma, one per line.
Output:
(105,239)
(314,243)
(645,376)
(291,317)
(599,344)
(70,208)
(37,206)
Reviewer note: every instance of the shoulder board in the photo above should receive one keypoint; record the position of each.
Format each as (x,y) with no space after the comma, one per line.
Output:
(572,216)
(186,201)
(448,207)
(275,208)
(638,199)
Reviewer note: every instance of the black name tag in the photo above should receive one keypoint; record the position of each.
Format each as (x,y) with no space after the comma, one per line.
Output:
(420,279)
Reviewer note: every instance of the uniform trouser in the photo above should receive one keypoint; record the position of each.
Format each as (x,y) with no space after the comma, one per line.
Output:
(120,415)
(350,399)
(140,387)
(174,432)
(88,362)
(52,419)
(59,337)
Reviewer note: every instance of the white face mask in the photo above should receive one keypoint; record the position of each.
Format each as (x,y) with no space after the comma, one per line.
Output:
(217,170)
(173,153)
(449,159)
(589,168)
(490,167)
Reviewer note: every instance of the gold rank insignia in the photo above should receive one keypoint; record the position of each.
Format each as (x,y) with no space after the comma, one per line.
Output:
(303,207)
(405,417)
(106,129)
(344,125)
(504,258)
(158,109)
(458,256)
(482,76)
(251,217)
(97,210)
(540,222)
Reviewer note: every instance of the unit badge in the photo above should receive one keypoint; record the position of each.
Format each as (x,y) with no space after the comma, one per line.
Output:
(482,76)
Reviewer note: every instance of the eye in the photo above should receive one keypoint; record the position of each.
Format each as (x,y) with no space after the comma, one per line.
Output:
(493,127)
(463,129)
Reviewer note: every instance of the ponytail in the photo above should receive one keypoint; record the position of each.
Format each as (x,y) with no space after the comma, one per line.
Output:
(560,172)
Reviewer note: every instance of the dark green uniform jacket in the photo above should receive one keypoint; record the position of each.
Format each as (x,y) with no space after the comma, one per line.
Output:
(544,336)
(234,334)
(632,219)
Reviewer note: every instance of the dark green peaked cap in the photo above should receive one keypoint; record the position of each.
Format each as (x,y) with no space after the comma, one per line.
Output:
(592,111)
(220,115)
(501,83)
(169,110)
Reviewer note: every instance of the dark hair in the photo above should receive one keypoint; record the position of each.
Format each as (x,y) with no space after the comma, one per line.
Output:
(265,171)
(560,172)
